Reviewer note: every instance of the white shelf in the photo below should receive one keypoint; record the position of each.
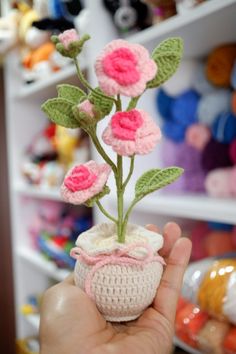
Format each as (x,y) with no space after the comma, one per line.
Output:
(196,207)
(41,263)
(200,28)
(34,320)
(37,191)
(33,88)
(184,346)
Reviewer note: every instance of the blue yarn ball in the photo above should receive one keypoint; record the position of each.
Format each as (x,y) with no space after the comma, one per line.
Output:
(213,104)
(164,104)
(224,128)
(184,108)
(174,131)
(233,76)
(219,226)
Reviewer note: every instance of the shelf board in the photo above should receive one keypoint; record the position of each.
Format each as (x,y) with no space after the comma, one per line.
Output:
(27,90)
(203,21)
(34,320)
(37,191)
(185,347)
(36,259)
(196,207)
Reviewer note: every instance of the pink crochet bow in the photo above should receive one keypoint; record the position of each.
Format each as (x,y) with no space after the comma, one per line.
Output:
(120,257)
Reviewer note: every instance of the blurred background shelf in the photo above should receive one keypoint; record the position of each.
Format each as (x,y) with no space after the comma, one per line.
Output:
(191,206)
(47,267)
(33,191)
(199,34)
(33,320)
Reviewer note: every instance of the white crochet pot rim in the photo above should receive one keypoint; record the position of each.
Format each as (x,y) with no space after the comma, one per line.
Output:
(102,239)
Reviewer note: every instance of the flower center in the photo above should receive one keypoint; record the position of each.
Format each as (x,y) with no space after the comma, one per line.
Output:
(121,65)
(125,124)
(80,178)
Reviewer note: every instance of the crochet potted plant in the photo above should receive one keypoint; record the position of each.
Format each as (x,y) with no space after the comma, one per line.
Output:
(118,264)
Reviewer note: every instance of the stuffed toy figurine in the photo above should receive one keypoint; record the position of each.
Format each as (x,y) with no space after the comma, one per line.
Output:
(117,263)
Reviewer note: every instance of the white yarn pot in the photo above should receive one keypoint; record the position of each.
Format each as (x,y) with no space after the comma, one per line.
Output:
(121,292)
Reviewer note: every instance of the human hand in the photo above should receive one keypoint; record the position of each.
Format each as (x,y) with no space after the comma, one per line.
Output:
(71,324)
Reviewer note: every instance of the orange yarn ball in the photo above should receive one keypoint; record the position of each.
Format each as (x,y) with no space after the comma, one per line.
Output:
(219,65)
(42,53)
(212,290)
(230,341)
(189,320)
(233,102)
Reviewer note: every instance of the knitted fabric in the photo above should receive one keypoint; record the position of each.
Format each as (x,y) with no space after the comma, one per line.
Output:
(86,107)
(164,103)
(124,68)
(121,278)
(213,104)
(132,132)
(68,37)
(84,182)
(184,108)
(174,131)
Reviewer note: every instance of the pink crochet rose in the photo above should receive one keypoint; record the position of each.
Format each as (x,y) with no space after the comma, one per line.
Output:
(87,107)
(124,68)
(85,181)
(67,37)
(132,132)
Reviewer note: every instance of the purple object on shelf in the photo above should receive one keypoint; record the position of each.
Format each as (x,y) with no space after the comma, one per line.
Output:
(215,155)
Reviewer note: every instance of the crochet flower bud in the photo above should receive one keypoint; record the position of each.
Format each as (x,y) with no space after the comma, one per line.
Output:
(84,182)
(124,68)
(132,132)
(68,37)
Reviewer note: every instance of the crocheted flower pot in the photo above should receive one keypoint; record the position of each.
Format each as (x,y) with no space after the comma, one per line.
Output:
(122,279)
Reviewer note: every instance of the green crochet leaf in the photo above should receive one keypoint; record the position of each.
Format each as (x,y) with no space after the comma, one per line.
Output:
(71,93)
(155,179)
(167,57)
(102,104)
(93,200)
(60,112)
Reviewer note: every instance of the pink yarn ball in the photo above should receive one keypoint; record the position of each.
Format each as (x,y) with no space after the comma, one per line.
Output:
(198,135)
(198,236)
(233,181)
(217,183)
(232,151)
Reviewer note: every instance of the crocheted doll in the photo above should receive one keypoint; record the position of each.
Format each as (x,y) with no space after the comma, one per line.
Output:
(117,263)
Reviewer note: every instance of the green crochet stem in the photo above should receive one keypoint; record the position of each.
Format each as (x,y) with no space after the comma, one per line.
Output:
(109,216)
(88,86)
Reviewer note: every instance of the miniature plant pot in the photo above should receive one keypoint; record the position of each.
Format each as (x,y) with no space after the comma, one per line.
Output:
(122,279)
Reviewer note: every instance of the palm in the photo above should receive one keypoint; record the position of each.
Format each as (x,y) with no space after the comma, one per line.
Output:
(71,323)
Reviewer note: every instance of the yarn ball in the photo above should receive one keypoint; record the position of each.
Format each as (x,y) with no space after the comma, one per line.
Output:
(183,78)
(233,102)
(219,226)
(233,76)
(232,181)
(194,181)
(184,108)
(213,289)
(189,321)
(212,104)
(182,155)
(234,236)
(198,135)
(210,338)
(217,183)
(164,103)
(224,128)
(220,64)
(218,242)
(215,155)
(200,82)
(230,341)
(197,236)
(232,151)
(174,131)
